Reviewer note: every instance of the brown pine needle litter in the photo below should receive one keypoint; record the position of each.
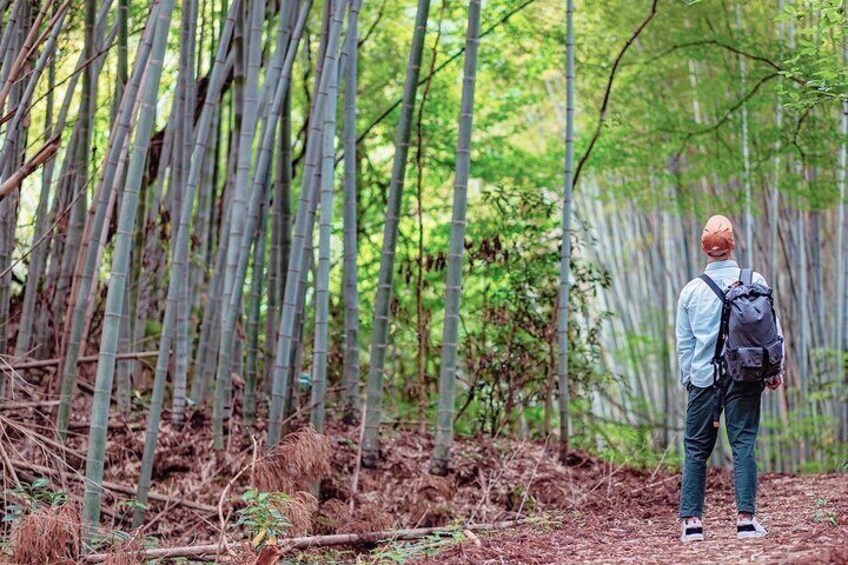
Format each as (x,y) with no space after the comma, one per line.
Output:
(128,552)
(298,510)
(301,460)
(47,535)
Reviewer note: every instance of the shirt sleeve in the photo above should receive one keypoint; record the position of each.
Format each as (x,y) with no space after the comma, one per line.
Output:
(685,337)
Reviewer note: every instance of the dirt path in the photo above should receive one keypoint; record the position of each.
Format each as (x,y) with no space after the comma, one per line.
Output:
(807,517)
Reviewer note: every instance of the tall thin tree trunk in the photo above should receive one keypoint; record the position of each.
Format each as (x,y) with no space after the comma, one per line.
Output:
(231,307)
(453,288)
(86,279)
(746,160)
(253,313)
(280,239)
(382,304)
(186,127)
(280,228)
(281,68)
(117,282)
(35,269)
(325,228)
(180,260)
(302,231)
(841,272)
(350,275)
(565,261)
(422,319)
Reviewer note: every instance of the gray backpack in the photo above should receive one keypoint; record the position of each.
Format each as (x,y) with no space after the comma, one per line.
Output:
(749,347)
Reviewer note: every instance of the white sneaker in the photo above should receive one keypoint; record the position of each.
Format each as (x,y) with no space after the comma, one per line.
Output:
(749,528)
(692,529)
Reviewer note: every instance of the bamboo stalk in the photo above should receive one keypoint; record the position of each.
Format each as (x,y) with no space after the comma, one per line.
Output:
(565,257)
(453,291)
(350,360)
(117,283)
(382,303)
(180,261)
(81,291)
(304,222)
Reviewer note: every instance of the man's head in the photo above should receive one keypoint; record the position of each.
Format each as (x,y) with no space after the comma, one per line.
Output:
(717,238)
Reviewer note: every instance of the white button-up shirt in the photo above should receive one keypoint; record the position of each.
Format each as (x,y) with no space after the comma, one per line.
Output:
(698,318)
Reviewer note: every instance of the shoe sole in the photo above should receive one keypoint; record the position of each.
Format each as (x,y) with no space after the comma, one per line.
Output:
(693,537)
(751,535)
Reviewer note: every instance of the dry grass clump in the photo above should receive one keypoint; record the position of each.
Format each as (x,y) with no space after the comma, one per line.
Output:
(332,517)
(298,510)
(300,460)
(47,535)
(128,552)
(428,503)
(366,519)
(335,517)
(434,487)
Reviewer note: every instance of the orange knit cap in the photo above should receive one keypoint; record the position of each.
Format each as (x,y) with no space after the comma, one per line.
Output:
(717,238)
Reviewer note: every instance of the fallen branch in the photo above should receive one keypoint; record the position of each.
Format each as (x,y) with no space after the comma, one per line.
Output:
(354,483)
(16,178)
(87,359)
(115,487)
(318,541)
(23,405)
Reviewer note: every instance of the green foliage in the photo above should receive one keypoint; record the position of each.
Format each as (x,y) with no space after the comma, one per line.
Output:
(260,516)
(31,496)
(825,514)
(817,63)
(622,443)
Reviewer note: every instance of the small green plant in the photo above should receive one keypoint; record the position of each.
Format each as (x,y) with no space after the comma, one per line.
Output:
(32,496)
(824,514)
(260,516)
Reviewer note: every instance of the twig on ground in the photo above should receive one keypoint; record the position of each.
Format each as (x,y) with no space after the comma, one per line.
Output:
(318,541)
(87,359)
(526,492)
(598,484)
(8,464)
(473,537)
(24,405)
(222,540)
(662,460)
(354,483)
(652,485)
(114,487)
(488,487)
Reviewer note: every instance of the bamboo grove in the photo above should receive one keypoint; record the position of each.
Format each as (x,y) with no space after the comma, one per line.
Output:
(251,213)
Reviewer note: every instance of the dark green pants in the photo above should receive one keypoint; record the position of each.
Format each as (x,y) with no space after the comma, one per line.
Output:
(742,419)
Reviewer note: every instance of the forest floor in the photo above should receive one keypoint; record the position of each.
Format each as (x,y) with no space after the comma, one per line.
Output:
(591,512)
(807,518)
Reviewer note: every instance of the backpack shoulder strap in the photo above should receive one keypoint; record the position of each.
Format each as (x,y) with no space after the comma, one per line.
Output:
(712,284)
(722,327)
(746,276)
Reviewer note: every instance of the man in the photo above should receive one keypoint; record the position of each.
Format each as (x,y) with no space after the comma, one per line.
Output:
(698,319)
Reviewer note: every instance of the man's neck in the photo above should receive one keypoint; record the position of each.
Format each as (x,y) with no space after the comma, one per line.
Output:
(725,257)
